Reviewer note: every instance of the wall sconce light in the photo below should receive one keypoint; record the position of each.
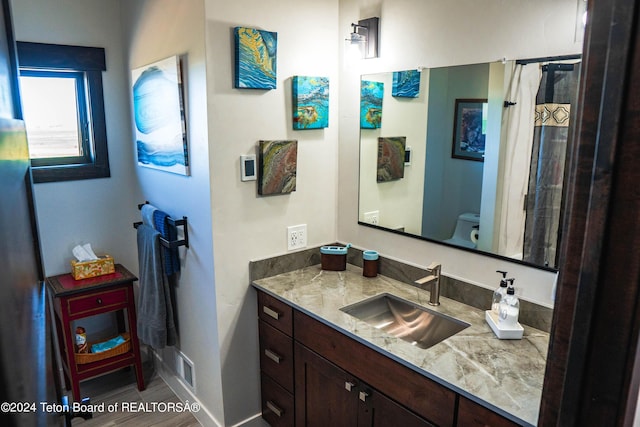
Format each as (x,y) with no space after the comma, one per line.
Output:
(364,37)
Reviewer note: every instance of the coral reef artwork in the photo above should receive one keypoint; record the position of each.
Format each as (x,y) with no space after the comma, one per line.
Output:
(371,94)
(406,84)
(391,158)
(277,167)
(161,138)
(256,55)
(310,102)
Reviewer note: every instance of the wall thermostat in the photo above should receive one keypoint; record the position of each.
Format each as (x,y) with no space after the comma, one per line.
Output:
(248,167)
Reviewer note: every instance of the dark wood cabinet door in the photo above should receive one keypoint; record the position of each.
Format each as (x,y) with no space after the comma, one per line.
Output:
(325,394)
(378,410)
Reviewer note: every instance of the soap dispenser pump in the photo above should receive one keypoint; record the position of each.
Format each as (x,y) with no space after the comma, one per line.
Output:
(509,307)
(499,293)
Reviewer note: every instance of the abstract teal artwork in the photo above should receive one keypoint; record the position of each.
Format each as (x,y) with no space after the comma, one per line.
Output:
(391,158)
(161,138)
(277,167)
(371,104)
(406,84)
(255,66)
(310,102)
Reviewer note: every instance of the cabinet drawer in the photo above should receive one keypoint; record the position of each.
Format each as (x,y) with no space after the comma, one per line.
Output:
(276,355)
(96,300)
(277,404)
(470,414)
(275,312)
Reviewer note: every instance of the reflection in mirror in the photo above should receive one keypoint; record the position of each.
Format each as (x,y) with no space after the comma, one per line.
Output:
(488,144)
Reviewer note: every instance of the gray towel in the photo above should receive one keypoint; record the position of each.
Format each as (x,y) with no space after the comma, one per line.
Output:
(146,212)
(155,312)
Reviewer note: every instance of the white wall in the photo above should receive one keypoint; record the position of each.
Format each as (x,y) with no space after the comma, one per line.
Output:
(97,211)
(158,29)
(247,226)
(432,33)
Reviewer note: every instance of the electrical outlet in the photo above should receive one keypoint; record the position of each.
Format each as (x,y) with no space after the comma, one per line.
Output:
(372,217)
(296,237)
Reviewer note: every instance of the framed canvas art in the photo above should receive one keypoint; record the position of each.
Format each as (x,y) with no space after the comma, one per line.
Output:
(256,58)
(158,107)
(406,84)
(310,102)
(469,129)
(371,94)
(277,167)
(391,158)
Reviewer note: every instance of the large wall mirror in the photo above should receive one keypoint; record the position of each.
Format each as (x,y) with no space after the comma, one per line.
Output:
(471,155)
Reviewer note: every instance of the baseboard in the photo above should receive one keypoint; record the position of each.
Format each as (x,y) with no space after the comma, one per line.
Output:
(203,416)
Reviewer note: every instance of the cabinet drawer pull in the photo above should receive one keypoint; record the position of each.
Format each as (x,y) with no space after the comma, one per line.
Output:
(348,385)
(271,355)
(363,396)
(99,300)
(277,411)
(271,312)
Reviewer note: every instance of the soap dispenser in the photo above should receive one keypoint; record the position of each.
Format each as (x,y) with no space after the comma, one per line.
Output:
(499,293)
(509,308)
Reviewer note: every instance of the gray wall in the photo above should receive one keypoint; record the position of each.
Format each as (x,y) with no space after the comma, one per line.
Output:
(452,186)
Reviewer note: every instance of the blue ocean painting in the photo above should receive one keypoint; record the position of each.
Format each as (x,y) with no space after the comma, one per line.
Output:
(406,84)
(161,137)
(256,55)
(371,94)
(310,102)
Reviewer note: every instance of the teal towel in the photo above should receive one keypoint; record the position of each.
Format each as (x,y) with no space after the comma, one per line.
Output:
(107,345)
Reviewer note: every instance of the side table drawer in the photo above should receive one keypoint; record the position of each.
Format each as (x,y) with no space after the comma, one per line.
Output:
(96,300)
(276,355)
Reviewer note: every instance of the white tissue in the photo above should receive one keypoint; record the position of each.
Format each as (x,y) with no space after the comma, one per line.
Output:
(84,253)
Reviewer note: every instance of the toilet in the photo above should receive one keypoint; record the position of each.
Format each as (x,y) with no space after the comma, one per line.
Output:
(464,227)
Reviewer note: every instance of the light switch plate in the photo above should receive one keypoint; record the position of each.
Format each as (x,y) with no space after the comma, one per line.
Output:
(248,167)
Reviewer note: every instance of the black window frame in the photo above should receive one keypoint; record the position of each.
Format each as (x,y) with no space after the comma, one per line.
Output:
(88,63)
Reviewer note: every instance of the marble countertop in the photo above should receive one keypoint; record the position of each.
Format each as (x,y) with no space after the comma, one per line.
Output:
(503,375)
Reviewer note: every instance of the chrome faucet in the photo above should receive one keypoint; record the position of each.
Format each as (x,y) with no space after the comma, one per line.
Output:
(433,279)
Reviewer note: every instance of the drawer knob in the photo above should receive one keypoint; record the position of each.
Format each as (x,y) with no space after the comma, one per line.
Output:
(363,396)
(348,385)
(99,300)
(277,411)
(271,355)
(271,312)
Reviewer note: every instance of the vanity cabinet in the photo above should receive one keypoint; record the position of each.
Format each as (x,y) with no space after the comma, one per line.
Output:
(329,396)
(314,375)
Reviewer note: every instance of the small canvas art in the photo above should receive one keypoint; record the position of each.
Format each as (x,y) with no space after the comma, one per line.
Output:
(391,158)
(158,108)
(277,167)
(310,102)
(406,84)
(256,55)
(371,94)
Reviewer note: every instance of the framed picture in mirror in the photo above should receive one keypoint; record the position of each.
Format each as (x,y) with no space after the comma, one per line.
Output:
(469,129)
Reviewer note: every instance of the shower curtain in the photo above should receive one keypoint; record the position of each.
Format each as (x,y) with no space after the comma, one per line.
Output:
(517,125)
(557,92)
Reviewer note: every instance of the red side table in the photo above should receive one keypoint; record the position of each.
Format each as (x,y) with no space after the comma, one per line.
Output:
(77,299)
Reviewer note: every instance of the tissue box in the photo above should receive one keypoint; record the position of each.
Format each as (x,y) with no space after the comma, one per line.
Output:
(86,269)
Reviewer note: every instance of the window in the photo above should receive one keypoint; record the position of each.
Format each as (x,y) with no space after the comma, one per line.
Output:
(63,109)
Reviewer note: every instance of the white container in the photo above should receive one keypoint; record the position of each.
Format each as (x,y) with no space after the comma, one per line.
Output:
(503,332)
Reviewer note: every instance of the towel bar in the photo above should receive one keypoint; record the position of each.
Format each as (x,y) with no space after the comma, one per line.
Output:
(175,223)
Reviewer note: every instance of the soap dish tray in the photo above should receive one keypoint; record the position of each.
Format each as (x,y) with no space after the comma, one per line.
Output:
(502,332)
